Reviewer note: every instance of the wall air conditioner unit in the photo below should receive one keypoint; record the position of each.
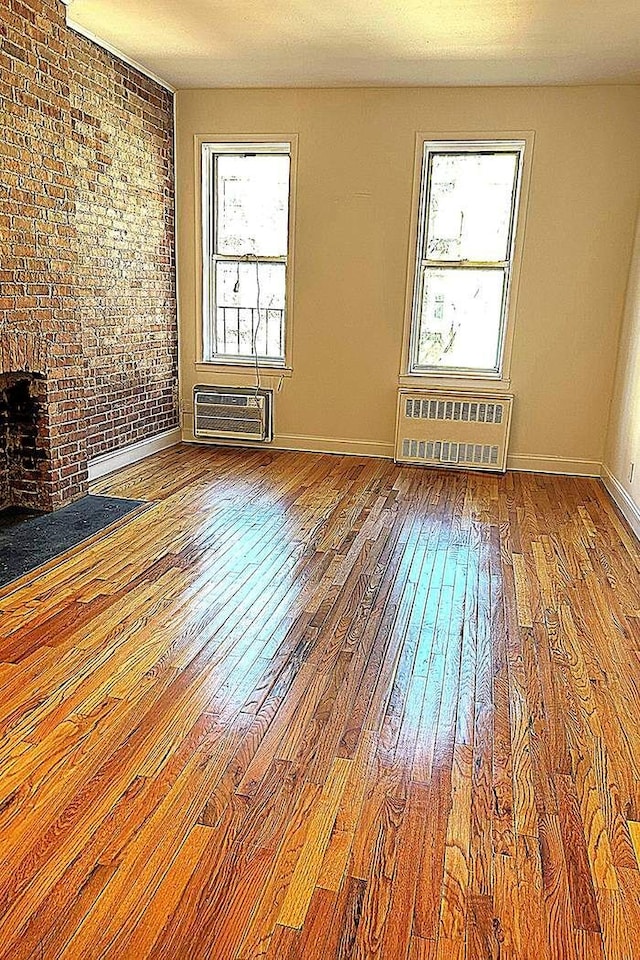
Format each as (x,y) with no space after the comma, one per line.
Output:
(232,413)
(455,430)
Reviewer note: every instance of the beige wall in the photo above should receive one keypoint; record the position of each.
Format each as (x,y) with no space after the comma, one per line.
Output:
(623,443)
(355,172)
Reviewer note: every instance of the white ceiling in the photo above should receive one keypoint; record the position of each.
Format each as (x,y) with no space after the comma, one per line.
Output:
(238,43)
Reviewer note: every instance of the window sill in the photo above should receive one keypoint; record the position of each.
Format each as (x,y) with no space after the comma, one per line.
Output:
(242,369)
(436,381)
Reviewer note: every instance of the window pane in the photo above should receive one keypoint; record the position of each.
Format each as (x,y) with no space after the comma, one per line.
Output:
(470,202)
(253,205)
(460,313)
(239,287)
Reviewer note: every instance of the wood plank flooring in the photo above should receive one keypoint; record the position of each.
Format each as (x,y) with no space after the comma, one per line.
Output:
(319,707)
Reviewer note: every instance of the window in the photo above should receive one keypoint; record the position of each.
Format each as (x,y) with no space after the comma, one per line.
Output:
(246,227)
(466,234)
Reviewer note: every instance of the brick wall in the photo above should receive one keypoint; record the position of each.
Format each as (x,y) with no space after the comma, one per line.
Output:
(87,288)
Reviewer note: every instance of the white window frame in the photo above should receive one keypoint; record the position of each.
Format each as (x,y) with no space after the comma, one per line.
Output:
(209,149)
(427,146)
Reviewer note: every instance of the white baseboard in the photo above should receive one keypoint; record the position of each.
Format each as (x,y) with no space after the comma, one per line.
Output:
(561,465)
(116,459)
(629,510)
(358,448)
(290,441)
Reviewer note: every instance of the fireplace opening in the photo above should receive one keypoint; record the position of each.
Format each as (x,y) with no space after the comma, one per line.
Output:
(23,444)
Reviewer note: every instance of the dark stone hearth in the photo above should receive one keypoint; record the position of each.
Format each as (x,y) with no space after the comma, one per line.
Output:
(27,541)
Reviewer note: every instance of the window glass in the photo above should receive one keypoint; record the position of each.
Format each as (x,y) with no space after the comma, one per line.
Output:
(242,329)
(470,204)
(253,205)
(459,312)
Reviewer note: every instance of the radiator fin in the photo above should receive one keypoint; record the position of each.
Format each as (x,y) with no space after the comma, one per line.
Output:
(465,411)
(448,451)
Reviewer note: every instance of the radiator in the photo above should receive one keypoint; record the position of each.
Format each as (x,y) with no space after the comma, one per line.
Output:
(455,430)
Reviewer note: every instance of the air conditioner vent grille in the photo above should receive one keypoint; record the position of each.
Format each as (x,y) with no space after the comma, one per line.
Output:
(229,425)
(223,411)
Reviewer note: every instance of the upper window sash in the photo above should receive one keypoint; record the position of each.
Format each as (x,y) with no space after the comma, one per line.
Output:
(423,262)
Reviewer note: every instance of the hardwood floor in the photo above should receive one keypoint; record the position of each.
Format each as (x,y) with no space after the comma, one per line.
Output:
(317,707)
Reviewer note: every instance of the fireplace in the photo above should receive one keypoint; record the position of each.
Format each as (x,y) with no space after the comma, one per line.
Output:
(24,444)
